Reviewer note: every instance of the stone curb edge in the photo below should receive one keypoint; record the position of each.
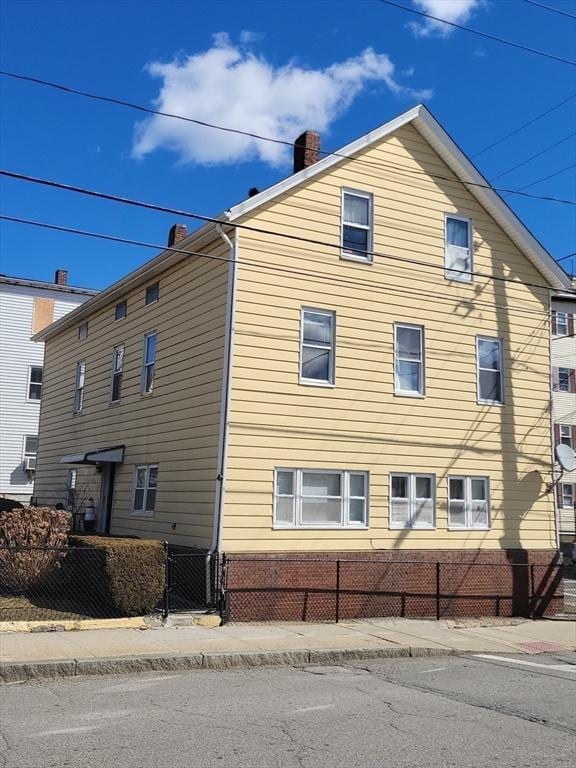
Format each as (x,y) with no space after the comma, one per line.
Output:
(13,672)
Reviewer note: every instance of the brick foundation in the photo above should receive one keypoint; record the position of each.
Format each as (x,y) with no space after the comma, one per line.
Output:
(327,586)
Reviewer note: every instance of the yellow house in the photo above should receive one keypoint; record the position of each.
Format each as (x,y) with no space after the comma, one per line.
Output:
(355,361)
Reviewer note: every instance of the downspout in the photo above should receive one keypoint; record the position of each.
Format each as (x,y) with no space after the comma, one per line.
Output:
(551,427)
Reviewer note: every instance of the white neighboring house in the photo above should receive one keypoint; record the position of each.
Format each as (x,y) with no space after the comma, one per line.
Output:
(26,307)
(564,404)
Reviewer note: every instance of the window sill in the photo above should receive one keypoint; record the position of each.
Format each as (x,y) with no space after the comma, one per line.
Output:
(359,259)
(145,394)
(114,402)
(33,400)
(457,529)
(320,527)
(490,402)
(141,514)
(462,280)
(417,395)
(412,528)
(309,383)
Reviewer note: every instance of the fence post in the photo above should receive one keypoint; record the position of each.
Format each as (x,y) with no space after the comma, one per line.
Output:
(437,590)
(166,594)
(337,590)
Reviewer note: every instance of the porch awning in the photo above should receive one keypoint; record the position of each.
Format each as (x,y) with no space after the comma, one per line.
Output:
(114,455)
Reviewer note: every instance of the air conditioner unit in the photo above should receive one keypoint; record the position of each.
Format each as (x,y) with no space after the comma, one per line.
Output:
(30,464)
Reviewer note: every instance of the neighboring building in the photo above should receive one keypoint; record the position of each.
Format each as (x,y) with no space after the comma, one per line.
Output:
(564,404)
(308,396)
(26,307)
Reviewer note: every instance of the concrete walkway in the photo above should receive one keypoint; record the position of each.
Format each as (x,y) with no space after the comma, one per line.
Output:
(50,654)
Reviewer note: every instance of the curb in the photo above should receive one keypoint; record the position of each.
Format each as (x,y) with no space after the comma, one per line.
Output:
(69,625)
(17,672)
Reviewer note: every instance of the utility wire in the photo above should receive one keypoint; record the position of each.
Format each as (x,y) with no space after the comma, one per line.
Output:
(533,157)
(259,266)
(245,227)
(481,34)
(550,8)
(259,137)
(569,256)
(544,178)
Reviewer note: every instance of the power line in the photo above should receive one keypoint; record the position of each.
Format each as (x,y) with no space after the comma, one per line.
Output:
(550,8)
(545,178)
(533,157)
(481,34)
(524,125)
(383,166)
(569,256)
(246,227)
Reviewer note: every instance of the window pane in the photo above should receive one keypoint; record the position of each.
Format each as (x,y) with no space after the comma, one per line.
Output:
(457,232)
(141,477)
(150,499)
(320,484)
(118,358)
(457,488)
(121,310)
(408,376)
(356,513)
(356,210)
(284,510)
(151,348)
(478,489)
(31,446)
(36,375)
(152,293)
(139,498)
(357,485)
(423,487)
(316,364)
(35,392)
(489,354)
(408,343)
(355,239)
(285,483)
(490,386)
(458,262)
(400,487)
(317,328)
(152,477)
(149,378)
(321,511)
(479,514)
(116,386)
(424,513)
(457,513)
(399,512)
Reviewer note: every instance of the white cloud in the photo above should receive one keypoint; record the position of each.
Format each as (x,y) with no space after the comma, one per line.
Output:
(458,11)
(230,86)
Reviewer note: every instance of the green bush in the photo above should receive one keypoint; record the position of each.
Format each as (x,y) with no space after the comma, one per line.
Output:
(127,575)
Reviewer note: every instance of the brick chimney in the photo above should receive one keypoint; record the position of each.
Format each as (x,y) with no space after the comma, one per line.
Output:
(177,233)
(61,277)
(306,150)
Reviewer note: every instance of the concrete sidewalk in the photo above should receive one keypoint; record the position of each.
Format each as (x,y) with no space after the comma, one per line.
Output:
(53,654)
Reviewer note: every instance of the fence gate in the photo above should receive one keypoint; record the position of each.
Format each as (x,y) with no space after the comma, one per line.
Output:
(191,581)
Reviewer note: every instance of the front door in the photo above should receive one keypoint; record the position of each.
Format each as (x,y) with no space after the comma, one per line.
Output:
(106,496)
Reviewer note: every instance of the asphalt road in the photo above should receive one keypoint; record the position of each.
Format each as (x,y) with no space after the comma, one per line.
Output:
(460,712)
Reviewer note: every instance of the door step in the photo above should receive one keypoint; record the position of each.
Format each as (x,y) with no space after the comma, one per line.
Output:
(191,618)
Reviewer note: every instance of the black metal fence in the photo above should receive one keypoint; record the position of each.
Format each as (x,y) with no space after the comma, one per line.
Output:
(192,581)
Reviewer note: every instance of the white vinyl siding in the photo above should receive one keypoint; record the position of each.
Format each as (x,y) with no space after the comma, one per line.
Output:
(79,389)
(317,346)
(412,500)
(35,375)
(458,249)
(468,503)
(408,359)
(357,225)
(145,485)
(313,498)
(489,370)
(149,362)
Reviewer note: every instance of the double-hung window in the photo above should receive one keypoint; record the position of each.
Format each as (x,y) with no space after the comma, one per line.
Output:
(566,435)
(458,249)
(317,343)
(30,446)
(561,324)
(489,370)
(35,382)
(566,495)
(145,485)
(357,225)
(320,499)
(564,380)
(117,367)
(79,389)
(149,362)
(468,503)
(408,359)
(412,500)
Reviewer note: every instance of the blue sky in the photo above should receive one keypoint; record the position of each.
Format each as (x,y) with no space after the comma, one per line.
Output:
(343,67)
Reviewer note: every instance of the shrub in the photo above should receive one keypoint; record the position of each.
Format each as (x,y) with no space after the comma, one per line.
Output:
(125,575)
(41,529)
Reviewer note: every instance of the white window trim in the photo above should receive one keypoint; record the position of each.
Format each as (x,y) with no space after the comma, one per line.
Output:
(83,332)
(571,505)
(411,501)
(332,368)
(77,388)
(570,444)
(467,500)
(143,392)
(28,454)
(30,382)
(567,390)
(480,400)
(143,512)
(121,371)
(151,285)
(422,390)
(565,323)
(298,525)
(459,278)
(370,228)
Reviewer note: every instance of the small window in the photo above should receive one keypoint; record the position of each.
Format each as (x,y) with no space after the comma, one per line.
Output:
(145,485)
(317,347)
(458,249)
(567,495)
(357,225)
(117,366)
(409,359)
(121,310)
(566,437)
(35,382)
(561,324)
(70,498)
(489,373)
(563,380)
(468,503)
(320,499)
(412,501)
(30,446)
(152,293)
(83,331)
(149,362)
(79,390)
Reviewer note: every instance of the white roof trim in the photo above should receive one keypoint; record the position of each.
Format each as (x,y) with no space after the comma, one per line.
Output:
(465,170)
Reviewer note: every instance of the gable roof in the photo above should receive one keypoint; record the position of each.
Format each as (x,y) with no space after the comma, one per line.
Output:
(431,130)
